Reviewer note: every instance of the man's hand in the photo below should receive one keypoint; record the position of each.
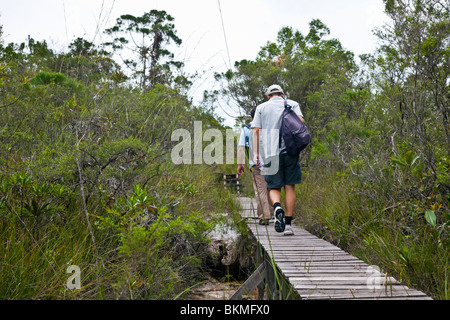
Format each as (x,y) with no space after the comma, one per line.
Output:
(257,160)
(256,156)
(241,169)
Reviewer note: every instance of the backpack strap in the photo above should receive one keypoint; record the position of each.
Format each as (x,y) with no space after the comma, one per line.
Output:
(286,109)
(286,104)
(280,132)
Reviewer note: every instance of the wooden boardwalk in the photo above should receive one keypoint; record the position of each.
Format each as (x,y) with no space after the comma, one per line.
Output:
(315,269)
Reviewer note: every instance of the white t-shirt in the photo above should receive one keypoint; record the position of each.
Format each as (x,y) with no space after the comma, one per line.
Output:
(268,117)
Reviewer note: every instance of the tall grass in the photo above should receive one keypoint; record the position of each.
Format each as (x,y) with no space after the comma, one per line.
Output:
(402,243)
(149,244)
(35,268)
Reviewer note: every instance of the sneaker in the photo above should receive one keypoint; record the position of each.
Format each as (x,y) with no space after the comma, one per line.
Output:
(288,230)
(279,219)
(264,222)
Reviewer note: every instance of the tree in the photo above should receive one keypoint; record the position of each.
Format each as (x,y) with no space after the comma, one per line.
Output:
(88,63)
(146,37)
(412,67)
(301,65)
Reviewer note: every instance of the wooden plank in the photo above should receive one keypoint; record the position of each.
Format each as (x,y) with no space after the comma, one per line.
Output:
(304,250)
(301,260)
(307,253)
(323,275)
(323,268)
(321,261)
(251,283)
(346,285)
(322,271)
(301,246)
(319,266)
(271,285)
(301,256)
(319,295)
(349,286)
(352,278)
(358,292)
(293,242)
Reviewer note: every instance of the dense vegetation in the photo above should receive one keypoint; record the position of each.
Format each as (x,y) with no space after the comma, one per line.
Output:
(86,177)
(376,176)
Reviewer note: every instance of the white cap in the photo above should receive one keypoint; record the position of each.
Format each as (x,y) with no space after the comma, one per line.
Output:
(274,89)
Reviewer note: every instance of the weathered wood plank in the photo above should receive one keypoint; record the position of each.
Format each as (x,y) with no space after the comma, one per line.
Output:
(347,286)
(352,278)
(307,252)
(341,295)
(311,258)
(302,262)
(323,271)
(358,292)
(251,283)
(301,246)
(325,275)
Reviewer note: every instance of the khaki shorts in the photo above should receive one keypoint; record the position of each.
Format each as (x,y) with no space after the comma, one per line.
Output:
(289,173)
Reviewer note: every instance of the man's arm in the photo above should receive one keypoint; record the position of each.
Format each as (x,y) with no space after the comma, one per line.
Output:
(256,156)
(297,110)
(241,159)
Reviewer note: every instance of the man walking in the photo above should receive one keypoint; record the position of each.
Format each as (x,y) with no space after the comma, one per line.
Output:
(263,210)
(284,170)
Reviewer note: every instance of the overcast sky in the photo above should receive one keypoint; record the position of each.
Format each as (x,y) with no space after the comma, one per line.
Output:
(248,25)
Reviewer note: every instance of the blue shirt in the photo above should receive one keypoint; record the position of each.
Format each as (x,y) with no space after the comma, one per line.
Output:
(246,140)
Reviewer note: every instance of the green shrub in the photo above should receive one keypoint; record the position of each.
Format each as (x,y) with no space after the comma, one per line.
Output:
(46,78)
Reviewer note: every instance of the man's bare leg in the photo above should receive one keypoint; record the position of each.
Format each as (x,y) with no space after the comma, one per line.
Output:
(279,215)
(275,196)
(290,200)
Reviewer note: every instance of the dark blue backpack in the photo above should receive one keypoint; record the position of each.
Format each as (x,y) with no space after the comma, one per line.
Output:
(294,131)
